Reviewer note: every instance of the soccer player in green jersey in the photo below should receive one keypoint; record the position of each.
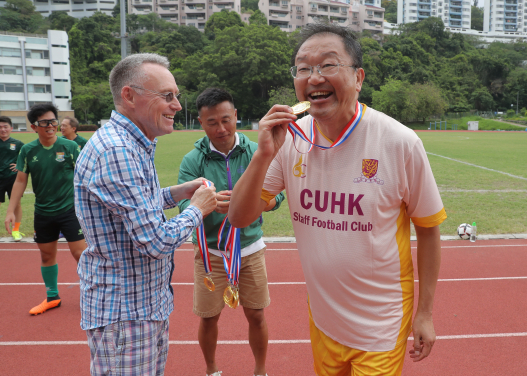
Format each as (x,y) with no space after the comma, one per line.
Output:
(68,127)
(9,150)
(51,161)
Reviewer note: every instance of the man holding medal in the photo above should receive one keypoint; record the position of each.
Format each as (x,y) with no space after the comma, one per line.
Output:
(125,272)
(222,157)
(354,178)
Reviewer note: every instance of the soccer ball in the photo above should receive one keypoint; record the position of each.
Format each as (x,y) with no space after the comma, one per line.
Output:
(464,230)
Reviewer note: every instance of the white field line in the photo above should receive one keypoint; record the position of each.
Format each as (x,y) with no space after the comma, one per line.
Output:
(245,342)
(293,249)
(484,190)
(279,283)
(473,165)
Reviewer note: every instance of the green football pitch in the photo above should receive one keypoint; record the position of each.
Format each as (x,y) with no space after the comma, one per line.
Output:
(482,177)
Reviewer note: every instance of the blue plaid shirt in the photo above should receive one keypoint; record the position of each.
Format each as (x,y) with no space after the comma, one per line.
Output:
(126,270)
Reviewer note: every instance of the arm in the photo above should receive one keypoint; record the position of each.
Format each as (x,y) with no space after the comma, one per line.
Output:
(275,203)
(16,194)
(188,172)
(246,204)
(129,197)
(428,263)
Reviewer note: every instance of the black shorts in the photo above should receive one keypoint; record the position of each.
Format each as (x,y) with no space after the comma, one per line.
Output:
(6,185)
(47,228)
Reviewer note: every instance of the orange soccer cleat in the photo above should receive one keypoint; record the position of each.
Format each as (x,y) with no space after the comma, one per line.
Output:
(44,306)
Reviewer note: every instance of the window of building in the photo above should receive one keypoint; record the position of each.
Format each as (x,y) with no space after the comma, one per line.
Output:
(36,54)
(298,17)
(34,88)
(10,52)
(284,2)
(6,69)
(12,105)
(13,88)
(37,71)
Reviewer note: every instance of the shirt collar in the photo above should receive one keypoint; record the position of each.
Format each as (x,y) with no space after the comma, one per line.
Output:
(133,130)
(236,143)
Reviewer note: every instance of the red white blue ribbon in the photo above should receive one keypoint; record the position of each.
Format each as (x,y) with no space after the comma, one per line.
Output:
(296,131)
(202,241)
(232,254)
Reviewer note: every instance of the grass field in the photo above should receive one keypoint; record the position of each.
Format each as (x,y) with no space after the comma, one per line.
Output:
(496,201)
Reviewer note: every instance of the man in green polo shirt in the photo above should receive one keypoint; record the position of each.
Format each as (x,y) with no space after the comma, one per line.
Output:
(9,150)
(68,127)
(51,161)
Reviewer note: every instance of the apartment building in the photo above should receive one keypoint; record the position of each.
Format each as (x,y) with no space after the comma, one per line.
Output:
(75,8)
(454,13)
(290,15)
(183,12)
(34,69)
(504,15)
(367,15)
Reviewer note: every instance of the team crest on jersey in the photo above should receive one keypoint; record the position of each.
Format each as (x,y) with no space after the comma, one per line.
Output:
(370,168)
(12,146)
(60,157)
(299,169)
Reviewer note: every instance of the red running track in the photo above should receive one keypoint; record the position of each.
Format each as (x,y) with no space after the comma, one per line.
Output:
(479,316)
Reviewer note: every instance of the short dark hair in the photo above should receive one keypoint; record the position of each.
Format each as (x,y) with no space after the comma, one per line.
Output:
(40,109)
(212,97)
(5,119)
(74,123)
(351,43)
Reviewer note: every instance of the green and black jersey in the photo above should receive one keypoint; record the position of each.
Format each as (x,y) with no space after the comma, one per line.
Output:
(9,151)
(81,141)
(51,170)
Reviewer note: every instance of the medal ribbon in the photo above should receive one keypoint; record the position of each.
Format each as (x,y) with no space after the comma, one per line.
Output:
(296,131)
(202,242)
(232,255)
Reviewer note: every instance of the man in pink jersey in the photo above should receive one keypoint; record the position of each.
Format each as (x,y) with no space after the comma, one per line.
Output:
(351,199)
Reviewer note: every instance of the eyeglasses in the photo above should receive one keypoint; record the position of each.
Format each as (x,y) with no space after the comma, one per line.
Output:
(46,123)
(169,97)
(325,70)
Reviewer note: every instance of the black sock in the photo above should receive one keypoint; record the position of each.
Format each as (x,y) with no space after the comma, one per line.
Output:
(56,297)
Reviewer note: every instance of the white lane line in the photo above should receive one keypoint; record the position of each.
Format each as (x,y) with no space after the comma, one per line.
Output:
(245,342)
(473,165)
(277,283)
(296,249)
(484,190)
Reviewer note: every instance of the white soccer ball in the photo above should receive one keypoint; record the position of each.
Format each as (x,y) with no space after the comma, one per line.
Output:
(464,230)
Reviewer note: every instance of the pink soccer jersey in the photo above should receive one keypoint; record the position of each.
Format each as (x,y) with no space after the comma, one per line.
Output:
(351,208)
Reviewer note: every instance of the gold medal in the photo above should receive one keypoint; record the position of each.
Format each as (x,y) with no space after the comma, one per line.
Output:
(209,283)
(231,296)
(301,107)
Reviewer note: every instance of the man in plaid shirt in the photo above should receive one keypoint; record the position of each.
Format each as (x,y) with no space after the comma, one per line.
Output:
(125,272)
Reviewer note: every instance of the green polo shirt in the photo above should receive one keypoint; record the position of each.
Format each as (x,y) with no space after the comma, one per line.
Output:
(9,151)
(51,170)
(81,141)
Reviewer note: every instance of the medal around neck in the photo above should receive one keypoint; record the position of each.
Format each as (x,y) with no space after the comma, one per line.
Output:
(209,283)
(231,296)
(301,107)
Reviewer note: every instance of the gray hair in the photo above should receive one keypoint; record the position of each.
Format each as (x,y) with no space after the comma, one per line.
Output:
(129,72)
(351,43)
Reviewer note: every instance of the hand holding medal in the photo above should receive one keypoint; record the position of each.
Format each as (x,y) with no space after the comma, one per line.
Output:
(204,250)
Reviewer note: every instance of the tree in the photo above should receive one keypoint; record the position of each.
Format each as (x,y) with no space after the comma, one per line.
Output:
(61,21)
(220,21)
(482,100)
(390,10)
(282,95)
(426,100)
(20,16)
(258,18)
(392,99)
(476,17)
(248,61)
(250,4)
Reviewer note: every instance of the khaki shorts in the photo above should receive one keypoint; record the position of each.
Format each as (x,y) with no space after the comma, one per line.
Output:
(254,292)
